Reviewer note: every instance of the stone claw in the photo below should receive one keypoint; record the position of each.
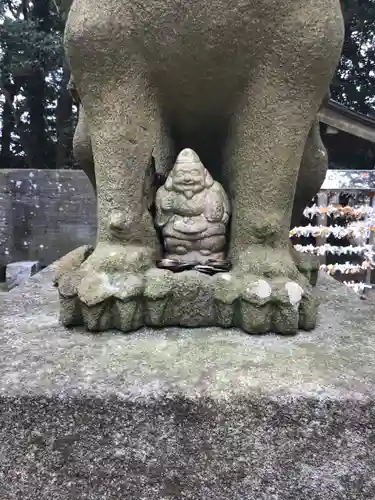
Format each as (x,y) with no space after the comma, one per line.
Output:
(158,288)
(287,296)
(71,262)
(70,307)
(257,305)
(227,292)
(98,317)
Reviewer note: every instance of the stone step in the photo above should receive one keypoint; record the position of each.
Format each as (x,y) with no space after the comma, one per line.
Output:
(178,413)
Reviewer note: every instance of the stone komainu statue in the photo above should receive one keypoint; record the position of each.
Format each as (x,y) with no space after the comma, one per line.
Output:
(240,83)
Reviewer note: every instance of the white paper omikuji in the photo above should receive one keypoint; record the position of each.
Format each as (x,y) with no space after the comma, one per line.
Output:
(357,287)
(334,250)
(338,232)
(339,211)
(357,230)
(346,268)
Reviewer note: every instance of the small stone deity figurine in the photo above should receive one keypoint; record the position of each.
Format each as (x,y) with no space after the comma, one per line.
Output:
(192,211)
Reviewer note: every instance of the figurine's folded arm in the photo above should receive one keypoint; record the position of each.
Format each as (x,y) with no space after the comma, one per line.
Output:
(164,207)
(226,206)
(217,204)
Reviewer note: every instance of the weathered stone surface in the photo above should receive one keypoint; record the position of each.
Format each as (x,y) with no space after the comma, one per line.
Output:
(159,297)
(44,214)
(82,148)
(185,413)
(19,272)
(71,261)
(311,174)
(218,78)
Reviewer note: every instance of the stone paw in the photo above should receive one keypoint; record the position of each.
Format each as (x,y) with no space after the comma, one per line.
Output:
(71,262)
(260,305)
(107,290)
(159,285)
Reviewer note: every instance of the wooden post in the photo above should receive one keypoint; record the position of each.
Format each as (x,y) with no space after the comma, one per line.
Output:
(371,242)
(322,221)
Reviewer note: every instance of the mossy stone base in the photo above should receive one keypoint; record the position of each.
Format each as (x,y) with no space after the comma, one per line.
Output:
(103,299)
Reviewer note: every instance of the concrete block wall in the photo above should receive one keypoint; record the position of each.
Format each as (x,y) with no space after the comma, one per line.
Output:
(44,214)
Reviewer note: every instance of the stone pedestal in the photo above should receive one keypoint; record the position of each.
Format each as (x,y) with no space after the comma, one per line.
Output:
(185,413)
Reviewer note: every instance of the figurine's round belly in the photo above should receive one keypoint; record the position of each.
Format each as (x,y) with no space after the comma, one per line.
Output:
(194,239)
(192,229)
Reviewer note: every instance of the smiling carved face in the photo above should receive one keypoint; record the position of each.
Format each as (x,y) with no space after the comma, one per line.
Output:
(189,177)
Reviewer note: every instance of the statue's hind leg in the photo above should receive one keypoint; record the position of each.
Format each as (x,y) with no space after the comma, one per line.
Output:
(311,176)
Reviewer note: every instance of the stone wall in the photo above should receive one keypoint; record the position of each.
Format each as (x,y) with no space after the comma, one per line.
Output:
(44,214)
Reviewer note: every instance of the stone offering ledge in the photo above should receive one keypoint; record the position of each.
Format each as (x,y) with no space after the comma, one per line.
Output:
(337,356)
(185,413)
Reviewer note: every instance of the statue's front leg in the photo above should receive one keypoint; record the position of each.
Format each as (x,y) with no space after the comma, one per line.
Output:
(267,152)
(265,287)
(264,157)
(109,288)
